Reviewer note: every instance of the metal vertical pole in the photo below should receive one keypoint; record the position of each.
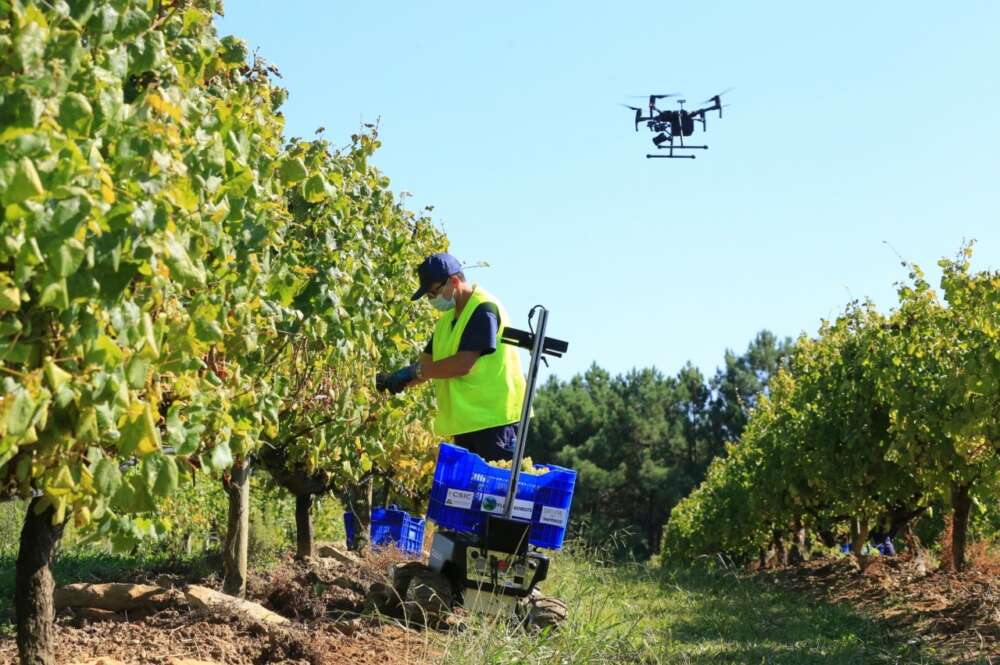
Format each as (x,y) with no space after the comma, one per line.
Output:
(537,345)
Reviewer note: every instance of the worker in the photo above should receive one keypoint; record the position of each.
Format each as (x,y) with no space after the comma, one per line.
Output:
(478,382)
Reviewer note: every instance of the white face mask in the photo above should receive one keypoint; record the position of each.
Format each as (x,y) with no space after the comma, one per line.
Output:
(442,304)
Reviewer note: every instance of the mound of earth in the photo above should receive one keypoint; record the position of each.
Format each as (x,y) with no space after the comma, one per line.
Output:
(955,614)
(322,597)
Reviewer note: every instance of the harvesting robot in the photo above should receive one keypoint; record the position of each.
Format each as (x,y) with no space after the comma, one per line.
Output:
(491,523)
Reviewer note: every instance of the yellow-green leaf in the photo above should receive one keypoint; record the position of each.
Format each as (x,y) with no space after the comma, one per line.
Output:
(25,184)
(55,375)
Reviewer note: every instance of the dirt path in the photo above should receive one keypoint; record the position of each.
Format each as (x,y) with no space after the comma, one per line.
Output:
(172,634)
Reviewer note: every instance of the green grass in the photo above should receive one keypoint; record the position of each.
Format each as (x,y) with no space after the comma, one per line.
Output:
(634,613)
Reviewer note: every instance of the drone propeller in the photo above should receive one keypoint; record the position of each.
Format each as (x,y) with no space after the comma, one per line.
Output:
(714,98)
(638,114)
(703,111)
(699,115)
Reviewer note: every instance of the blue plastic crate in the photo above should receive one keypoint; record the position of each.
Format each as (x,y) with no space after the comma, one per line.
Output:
(393,526)
(349,529)
(466,489)
(390,526)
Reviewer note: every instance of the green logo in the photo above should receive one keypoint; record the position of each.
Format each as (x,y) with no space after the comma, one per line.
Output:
(489,503)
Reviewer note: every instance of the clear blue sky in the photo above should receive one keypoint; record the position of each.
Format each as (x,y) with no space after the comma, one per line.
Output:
(852,124)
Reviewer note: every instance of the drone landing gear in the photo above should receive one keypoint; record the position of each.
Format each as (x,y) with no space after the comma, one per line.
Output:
(664,141)
(671,154)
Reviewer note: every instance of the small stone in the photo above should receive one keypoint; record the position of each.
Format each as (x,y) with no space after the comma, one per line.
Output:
(203,598)
(92,614)
(329,551)
(381,599)
(348,627)
(350,584)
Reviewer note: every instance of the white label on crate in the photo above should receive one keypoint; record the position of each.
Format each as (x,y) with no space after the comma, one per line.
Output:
(494,503)
(522,509)
(459,499)
(553,516)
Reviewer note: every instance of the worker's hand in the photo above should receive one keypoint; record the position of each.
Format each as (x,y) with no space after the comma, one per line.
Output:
(397,381)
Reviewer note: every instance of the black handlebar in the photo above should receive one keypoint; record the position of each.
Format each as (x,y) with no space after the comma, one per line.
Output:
(523,339)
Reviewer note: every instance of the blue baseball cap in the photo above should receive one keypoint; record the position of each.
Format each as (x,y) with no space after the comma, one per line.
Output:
(435,268)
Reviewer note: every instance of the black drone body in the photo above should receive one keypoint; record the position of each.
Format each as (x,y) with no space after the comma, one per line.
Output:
(671,127)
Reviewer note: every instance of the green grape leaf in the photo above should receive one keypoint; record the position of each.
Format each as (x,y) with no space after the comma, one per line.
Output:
(67,257)
(184,440)
(234,50)
(208,330)
(10,299)
(131,23)
(160,474)
(314,189)
(20,413)
(55,293)
(62,483)
(104,20)
(25,183)
(140,435)
(29,47)
(107,477)
(113,282)
(292,170)
(104,351)
(151,347)
(133,496)
(75,114)
(55,376)
(221,458)
(146,52)
(20,110)
(136,371)
(181,265)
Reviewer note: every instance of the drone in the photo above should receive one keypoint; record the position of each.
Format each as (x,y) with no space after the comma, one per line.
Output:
(672,126)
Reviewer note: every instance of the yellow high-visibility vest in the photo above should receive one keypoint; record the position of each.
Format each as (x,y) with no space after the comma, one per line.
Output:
(492,393)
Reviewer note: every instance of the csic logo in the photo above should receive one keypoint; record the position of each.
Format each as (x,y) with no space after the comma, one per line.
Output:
(459,499)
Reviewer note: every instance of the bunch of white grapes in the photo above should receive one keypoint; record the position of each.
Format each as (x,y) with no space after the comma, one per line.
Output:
(527,466)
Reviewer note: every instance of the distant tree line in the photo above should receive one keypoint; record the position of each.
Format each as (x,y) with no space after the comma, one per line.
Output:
(642,441)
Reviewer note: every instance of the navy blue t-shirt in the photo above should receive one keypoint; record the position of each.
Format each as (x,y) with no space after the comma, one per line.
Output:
(480,332)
